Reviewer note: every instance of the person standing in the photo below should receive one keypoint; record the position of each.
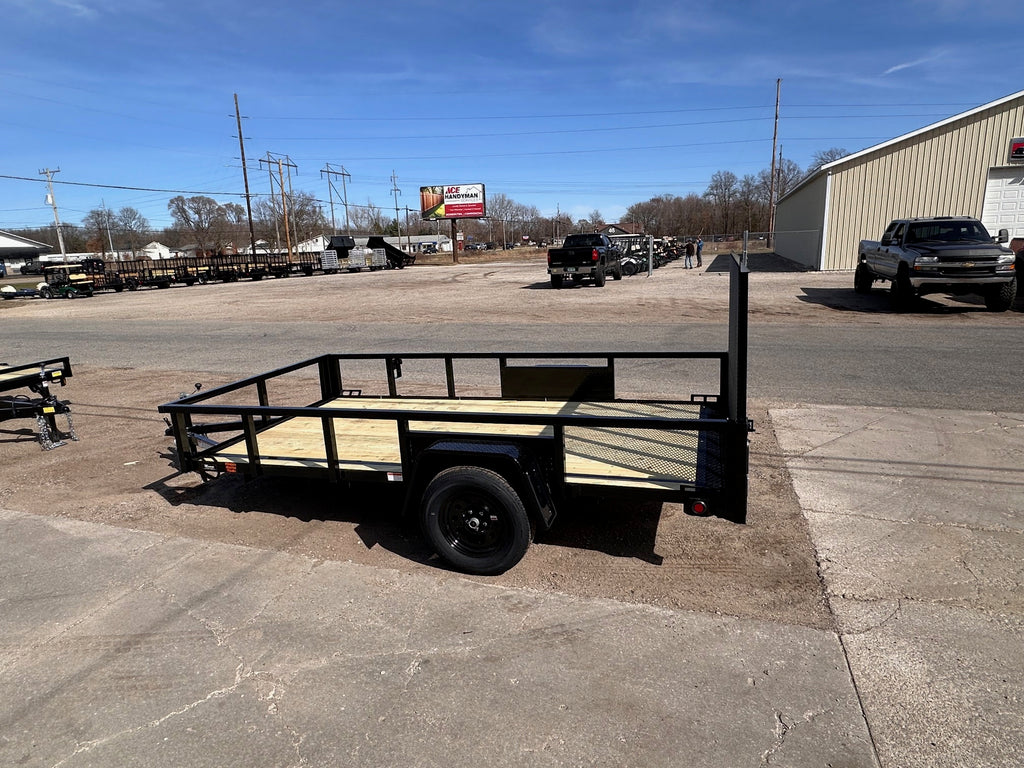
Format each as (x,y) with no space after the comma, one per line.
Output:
(700,248)
(691,249)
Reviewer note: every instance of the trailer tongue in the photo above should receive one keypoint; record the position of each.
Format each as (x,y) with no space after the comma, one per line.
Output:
(43,406)
(482,473)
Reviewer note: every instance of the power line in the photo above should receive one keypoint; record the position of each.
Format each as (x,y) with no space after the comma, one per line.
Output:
(124,187)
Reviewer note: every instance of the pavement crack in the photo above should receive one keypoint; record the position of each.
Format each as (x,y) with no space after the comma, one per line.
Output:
(242,674)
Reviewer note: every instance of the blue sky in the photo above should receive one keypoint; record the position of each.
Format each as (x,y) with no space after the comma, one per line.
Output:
(574,106)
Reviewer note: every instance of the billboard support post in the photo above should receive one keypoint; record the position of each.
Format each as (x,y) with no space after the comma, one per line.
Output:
(455,241)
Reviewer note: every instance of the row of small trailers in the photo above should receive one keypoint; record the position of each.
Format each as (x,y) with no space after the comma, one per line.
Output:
(342,254)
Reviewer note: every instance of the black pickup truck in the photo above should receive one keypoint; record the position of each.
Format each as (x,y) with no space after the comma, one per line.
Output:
(940,254)
(582,256)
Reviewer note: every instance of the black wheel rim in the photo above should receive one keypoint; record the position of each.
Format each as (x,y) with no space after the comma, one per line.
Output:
(473,524)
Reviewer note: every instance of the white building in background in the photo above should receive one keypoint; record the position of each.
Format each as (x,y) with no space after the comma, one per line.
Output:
(971,164)
(154,251)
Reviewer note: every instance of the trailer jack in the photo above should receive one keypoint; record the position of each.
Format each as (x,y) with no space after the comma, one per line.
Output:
(44,406)
(48,429)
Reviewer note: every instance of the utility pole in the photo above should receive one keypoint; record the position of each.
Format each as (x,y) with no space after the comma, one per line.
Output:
(284,202)
(245,179)
(771,185)
(56,219)
(106,217)
(408,229)
(271,161)
(396,191)
(331,190)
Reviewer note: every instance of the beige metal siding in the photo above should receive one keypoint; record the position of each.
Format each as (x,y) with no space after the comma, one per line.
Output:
(798,224)
(937,173)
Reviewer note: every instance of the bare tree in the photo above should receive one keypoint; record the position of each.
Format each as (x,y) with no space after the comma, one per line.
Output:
(133,226)
(205,218)
(96,226)
(825,157)
(368,218)
(722,193)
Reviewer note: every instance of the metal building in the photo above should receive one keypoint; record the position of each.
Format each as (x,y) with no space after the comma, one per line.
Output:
(971,164)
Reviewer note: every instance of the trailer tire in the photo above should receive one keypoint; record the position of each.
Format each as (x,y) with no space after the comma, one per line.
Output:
(475,520)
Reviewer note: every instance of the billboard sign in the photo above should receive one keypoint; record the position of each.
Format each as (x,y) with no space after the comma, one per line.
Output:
(455,201)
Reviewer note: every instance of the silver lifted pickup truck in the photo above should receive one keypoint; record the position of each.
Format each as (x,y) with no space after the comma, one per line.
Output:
(940,254)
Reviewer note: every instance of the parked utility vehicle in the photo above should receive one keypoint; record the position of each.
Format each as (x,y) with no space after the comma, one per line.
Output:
(483,472)
(66,281)
(941,254)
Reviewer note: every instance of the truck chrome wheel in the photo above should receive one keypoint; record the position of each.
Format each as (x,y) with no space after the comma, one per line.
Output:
(475,520)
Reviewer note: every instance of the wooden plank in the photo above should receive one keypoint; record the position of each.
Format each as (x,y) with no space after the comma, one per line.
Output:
(641,458)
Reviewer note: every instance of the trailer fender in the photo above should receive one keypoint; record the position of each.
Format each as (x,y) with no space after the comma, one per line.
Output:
(513,461)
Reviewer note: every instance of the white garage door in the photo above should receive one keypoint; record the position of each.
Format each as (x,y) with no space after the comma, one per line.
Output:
(1004,201)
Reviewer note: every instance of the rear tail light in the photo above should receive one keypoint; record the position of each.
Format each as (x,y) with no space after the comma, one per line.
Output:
(594,255)
(699,507)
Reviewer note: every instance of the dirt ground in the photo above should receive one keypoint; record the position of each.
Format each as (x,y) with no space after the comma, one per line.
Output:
(121,471)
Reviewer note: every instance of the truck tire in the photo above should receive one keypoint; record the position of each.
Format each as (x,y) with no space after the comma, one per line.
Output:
(617,274)
(902,292)
(1001,297)
(599,277)
(556,281)
(475,520)
(862,279)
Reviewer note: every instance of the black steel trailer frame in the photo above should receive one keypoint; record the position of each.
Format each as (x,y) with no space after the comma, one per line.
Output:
(485,471)
(38,377)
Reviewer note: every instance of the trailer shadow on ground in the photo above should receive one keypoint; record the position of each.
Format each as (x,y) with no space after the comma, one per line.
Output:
(613,527)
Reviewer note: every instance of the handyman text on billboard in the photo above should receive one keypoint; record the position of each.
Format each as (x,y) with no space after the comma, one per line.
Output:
(455,201)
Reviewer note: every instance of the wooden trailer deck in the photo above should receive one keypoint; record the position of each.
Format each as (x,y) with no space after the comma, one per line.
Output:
(639,458)
(15,377)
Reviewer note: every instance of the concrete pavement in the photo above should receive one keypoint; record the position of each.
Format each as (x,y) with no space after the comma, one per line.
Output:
(918,520)
(121,647)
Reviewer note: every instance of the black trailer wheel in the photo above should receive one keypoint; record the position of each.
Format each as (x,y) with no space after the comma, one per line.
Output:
(556,281)
(1001,297)
(475,520)
(862,279)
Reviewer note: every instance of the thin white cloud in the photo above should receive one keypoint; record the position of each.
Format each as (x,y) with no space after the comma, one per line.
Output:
(76,8)
(909,64)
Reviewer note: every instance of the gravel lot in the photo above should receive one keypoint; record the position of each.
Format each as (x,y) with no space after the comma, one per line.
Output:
(120,473)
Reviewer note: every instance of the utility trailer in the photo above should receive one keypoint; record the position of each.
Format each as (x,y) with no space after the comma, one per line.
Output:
(104,275)
(396,258)
(146,273)
(43,405)
(482,473)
